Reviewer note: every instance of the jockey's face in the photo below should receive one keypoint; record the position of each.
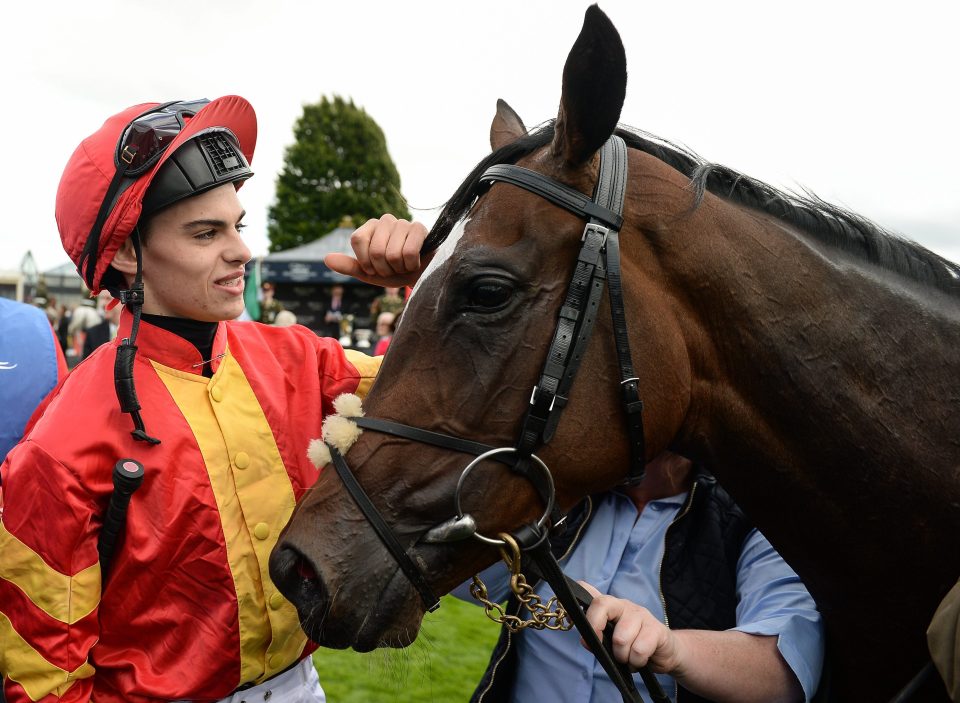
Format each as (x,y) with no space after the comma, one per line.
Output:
(193,257)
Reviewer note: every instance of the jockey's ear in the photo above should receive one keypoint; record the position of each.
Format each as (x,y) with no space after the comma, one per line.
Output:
(506,127)
(125,260)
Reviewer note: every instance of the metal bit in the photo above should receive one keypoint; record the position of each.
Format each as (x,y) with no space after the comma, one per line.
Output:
(453,530)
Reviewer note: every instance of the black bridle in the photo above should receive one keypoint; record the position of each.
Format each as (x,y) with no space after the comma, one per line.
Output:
(598,263)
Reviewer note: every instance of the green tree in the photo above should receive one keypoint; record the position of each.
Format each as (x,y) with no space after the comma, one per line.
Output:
(338,167)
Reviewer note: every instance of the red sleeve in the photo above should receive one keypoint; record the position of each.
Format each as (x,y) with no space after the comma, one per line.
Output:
(49,579)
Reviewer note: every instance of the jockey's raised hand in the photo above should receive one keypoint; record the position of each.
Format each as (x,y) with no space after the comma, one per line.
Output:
(386,252)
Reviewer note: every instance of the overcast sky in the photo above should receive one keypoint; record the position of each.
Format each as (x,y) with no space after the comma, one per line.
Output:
(856,101)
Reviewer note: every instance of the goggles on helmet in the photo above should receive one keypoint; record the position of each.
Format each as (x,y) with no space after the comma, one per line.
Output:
(139,148)
(147,137)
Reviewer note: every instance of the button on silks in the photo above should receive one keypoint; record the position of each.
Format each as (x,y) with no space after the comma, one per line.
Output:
(276,601)
(216,393)
(261,530)
(241,460)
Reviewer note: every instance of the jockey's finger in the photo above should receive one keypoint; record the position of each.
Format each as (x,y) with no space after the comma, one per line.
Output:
(345,264)
(348,266)
(397,246)
(387,229)
(411,247)
(360,242)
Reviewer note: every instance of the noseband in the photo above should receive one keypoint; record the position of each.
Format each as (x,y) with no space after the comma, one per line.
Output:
(597,263)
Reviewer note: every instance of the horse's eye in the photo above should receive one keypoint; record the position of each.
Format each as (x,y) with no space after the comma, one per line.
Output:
(489,294)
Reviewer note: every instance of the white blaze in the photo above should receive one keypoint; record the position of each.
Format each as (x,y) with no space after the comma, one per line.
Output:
(444,252)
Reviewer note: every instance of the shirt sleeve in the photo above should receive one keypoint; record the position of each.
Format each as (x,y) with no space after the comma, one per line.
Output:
(367,367)
(497,582)
(49,580)
(773,601)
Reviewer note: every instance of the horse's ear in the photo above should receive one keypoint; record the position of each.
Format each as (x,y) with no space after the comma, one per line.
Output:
(594,86)
(506,126)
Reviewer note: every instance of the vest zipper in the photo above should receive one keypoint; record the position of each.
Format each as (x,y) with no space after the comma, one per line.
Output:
(663,598)
(493,674)
(580,529)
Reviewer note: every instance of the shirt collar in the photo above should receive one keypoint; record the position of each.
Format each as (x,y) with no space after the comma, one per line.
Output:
(170,349)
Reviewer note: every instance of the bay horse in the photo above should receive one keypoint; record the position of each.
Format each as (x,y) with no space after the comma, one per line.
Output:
(806,356)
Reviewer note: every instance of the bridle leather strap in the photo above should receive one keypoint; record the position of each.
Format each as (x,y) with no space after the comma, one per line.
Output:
(456,444)
(557,193)
(599,259)
(629,383)
(413,572)
(416,434)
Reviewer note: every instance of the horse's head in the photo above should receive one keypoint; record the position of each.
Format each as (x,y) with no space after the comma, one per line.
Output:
(464,361)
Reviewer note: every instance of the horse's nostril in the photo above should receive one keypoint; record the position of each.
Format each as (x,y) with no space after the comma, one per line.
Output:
(305,569)
(294,574)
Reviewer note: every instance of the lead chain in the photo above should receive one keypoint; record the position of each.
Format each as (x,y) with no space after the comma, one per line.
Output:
(543,616)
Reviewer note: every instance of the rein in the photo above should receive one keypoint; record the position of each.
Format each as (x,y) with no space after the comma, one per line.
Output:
(597,263)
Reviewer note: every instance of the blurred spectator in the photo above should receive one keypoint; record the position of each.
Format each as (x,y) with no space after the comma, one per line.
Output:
(386,326)
(31,364)
(333,314)
(269,306)
(63,323)
(388,301)
(105,330)
(84,317)
(284,318)
(49,307)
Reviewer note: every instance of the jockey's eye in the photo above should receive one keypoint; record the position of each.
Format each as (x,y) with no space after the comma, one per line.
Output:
(487,294)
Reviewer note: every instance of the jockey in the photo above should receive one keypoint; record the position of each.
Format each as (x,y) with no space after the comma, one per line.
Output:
(218,412)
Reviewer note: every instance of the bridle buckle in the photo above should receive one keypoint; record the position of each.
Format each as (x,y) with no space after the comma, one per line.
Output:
(597,228)
(533,398)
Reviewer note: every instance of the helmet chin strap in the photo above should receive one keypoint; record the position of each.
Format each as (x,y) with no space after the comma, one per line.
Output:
(127,350)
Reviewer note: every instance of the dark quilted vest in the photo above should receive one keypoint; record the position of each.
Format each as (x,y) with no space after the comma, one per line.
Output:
(698,576)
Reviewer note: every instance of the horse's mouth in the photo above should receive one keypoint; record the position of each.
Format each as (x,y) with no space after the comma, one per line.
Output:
(359,618)
(393,620)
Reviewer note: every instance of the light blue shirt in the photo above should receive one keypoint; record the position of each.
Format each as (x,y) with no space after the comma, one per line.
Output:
(620,554)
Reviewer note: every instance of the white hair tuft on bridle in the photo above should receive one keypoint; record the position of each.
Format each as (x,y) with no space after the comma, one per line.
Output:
(338,430)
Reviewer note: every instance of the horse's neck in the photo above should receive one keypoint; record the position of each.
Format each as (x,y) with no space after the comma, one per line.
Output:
(823,400)
(810,338)
(825,389)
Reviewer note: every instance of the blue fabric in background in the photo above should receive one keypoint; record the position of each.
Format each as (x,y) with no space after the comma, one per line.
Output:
(28,367)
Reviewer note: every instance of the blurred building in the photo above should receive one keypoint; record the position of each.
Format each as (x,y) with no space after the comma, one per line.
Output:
(302,282)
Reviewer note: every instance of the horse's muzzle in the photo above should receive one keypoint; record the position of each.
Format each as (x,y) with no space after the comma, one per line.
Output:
(295,575)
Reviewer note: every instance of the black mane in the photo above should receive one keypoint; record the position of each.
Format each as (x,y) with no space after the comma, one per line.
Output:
(829,223)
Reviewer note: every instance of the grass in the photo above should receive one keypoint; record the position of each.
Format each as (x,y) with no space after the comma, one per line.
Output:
(442,666)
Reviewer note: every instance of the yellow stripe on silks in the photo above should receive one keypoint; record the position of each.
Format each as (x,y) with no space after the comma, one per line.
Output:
(64,598)
(255,500)
(17,656)
(368,366)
